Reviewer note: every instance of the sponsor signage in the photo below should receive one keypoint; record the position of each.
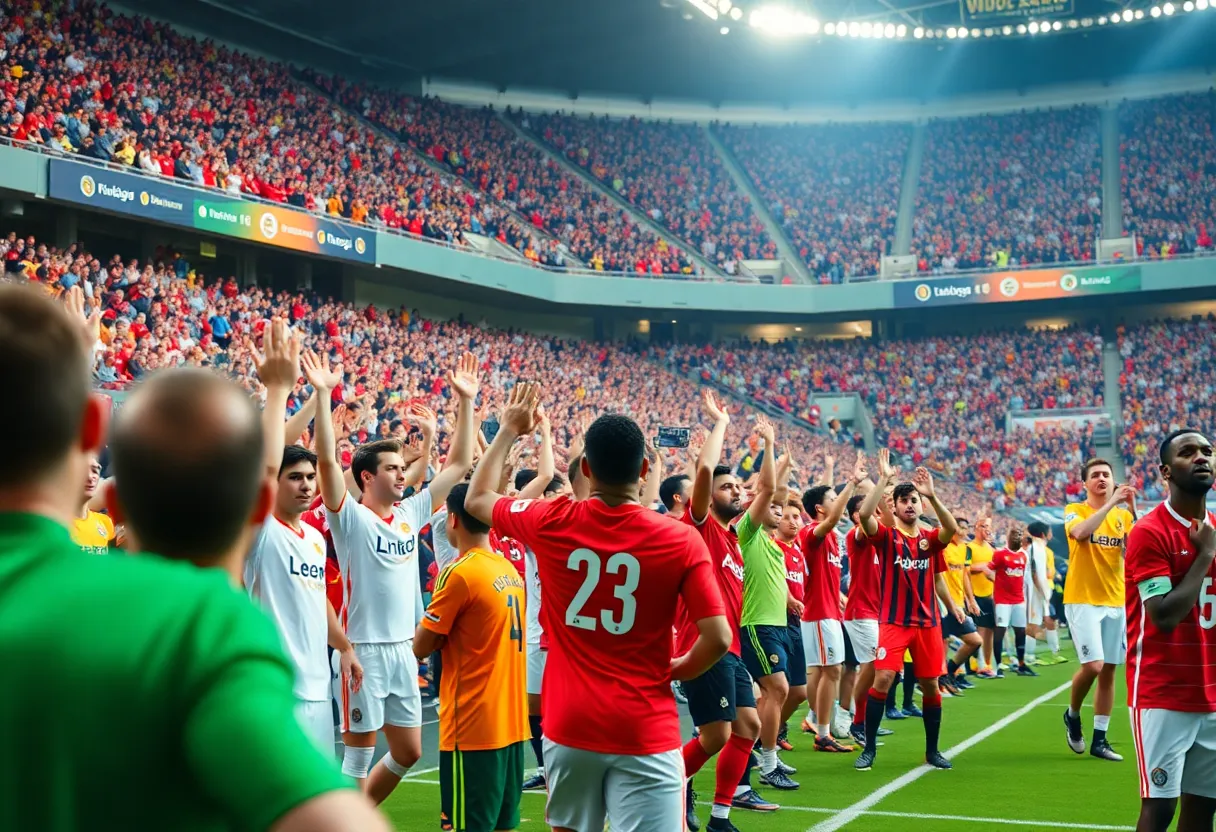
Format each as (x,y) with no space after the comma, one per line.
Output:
(988,11)
(212,211)
(1031,284)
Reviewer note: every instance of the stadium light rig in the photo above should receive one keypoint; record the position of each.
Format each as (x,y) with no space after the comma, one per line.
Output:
(776,20)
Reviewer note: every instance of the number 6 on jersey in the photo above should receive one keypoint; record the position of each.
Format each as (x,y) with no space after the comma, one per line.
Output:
(618,563)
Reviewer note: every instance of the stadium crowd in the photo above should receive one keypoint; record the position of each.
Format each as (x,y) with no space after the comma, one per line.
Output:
(1168,173)
(1167,382)
(1011,189)
(834,189)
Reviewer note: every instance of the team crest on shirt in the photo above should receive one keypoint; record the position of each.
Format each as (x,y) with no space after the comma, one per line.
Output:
(773,658)
(317,548)
(1159,777)
(405,528)
(923,545)
(356,715)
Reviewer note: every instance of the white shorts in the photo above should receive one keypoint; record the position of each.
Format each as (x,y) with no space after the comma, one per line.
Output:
(635,794)
(1175,752)
(389,695)
(863,633)
(536,668)
(1099,633)
(317,719)
(1011,615)
(1034,608)
(823,642)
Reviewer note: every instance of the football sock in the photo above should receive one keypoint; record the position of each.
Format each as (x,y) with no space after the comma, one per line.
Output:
(1019,641)
(998,646)
(1101,723)
(768,760)
(1073,713)
(537,744)
(742,789)
(859,706)
(876,706)
(1053,641)
(695,756)
(909,684)
(932,707)
(732,762)
(951,667)
(892,692)
(1031,644)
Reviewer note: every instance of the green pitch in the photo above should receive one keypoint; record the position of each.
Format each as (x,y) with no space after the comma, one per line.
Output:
(1020,777)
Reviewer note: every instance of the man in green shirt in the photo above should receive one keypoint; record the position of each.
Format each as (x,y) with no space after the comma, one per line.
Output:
(764,639)
(155,695)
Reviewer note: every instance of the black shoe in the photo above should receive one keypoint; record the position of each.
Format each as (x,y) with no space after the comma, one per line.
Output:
(752,801)
(913,711)
(894,713)
(721,825)
(864,761)
(946,684)
(1000,674)
(690,809)
(1074,735)
(963,683)
(858,733)
(778,779)
(937,760)
(535,783)
(1024,670)
(1102,750)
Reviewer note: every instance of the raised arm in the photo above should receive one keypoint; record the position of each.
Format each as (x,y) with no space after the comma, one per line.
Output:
(654,476)
(832,518)
(785,467)
(518,418)
(546,467)
(298,422)
(766,485)
(463,381)
(865,512)
(922,481)
(278,367)
(330,479)
(711,452)
(1082,529)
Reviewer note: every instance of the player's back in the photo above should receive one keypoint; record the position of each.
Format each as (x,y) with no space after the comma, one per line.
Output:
(611,578)
(121,647)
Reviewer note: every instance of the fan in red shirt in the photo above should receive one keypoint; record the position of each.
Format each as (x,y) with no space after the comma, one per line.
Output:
(1171,639)
(786,537)
(910,569)
(861,608)
(1007,571)
(612,572)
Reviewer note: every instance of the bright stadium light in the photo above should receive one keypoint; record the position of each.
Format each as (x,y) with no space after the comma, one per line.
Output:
(865,29)
(1021,28)
(918,33)
(988,32)
(1057,26)
(952,32)
(962,33)
(854,29)
(842,29)
(725,30)
(1168,8)
(1139,14)
(736,13)
(1072,24)
(706,9)
(1155,11)
(724,6)
(901,31)
(889,30)
(829,29)
(1034,27)
(1128,14)
(1201,4)
(1007,31)
(1188,6)
(1102,20)
(975,33)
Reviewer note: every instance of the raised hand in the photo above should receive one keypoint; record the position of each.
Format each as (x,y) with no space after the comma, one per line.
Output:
(859,470)
(90,323)
(542,419)
(885,469)
(424,419)
(411,451)
(766,431)
(278,365)
(463,377)
(922,481)
(1125,494)
(318,371)
(519,416)
(1203,537)
(711,408)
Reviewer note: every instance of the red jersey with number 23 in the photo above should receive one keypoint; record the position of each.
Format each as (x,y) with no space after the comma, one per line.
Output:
(1009,583)
(727,560)
(1175,671)
(822,600)
(612,578)
(864,589)
(907,567)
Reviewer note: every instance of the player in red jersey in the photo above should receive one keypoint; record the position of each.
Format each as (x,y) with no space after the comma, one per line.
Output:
(861,609)
(1007,571)
(613,573)
(720,701)
(786,536)
(1171,636)
(910,567)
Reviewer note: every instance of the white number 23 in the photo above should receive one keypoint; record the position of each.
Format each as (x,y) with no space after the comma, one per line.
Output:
(618,563)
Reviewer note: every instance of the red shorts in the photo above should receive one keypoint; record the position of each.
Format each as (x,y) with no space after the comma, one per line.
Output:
(924,643)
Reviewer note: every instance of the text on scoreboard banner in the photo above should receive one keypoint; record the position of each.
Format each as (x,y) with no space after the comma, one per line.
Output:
(987,11)
(1032,284)
(155,199)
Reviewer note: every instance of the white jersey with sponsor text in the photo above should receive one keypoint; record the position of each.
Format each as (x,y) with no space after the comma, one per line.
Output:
(378,557)
(285,574)
(532,598)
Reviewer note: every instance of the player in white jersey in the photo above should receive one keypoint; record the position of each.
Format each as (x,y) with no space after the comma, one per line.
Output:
(376,542)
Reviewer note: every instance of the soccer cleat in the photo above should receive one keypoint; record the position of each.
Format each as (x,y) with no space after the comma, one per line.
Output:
(1059,658)
(808,728)
(445,825)
(858,733)
(678,692)
(1001,666)
(963,683)
(1102,750)
(690,809)
(721,825)
(783,739)
(1024,670)
(937,760)
(986,673)
(833,746)
(535,783)
(1000,674)
(752,801)
(782,765)
(864,761)
(778,779)
(1074,735)
(913,711)
(884,731)
(947,684)
(894,713)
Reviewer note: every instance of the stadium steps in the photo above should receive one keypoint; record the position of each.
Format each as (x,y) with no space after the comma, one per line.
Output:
(638,216)
(434,166)
(907,190)
(787,250)
(1112,199)
(1112,367)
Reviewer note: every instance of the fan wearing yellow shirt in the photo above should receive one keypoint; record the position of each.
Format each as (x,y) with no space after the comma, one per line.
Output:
(981,552)
(958,581)
(91,530)
(1097,532)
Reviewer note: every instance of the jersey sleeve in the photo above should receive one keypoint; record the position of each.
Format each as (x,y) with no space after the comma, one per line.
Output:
(880,533)
(699,592)
(108,525)
(746,528)
(238,694)
(254,561)
(448,601)
(520,519)
(342,525)
(1146,557)
(1072,516)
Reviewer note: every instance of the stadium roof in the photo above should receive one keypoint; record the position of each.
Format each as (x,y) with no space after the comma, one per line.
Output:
(667,49)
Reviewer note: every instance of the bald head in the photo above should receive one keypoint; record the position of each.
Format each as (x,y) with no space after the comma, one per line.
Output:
(188,464)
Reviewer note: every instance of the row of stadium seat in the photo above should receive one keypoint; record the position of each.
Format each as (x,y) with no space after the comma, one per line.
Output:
(1016,189)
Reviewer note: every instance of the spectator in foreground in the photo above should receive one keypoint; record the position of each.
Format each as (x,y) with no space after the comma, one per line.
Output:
(162,695)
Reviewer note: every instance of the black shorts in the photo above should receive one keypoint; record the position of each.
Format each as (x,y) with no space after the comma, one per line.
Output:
(795,672)
(716,694)
(765,649)
(987,616)
(1055,607)
(951,626)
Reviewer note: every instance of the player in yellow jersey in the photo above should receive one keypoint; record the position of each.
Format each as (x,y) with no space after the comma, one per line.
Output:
(91,530)
(980,552)
(1093,598)
(958,581)
(476,617)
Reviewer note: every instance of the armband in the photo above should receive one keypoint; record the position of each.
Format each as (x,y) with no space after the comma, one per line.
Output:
(1155,587)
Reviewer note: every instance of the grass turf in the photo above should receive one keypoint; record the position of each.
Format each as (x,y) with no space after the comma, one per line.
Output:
(1022,777)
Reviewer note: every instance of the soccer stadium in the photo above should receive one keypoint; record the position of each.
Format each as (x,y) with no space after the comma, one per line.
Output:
(758,416)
